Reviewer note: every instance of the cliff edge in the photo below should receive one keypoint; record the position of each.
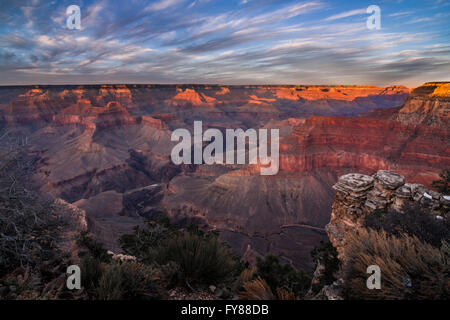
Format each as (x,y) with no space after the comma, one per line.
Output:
(359,195)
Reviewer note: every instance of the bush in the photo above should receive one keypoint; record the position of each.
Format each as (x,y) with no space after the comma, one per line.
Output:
(92,255)
(202,260)
(282,276)
(257,289)
(327,256)
(443,185)
(45,282)
(94,248)
(143,242)
(410,269)
(107,279)
(91,272)
(29,226)
(127,281)
(283,294)
(412,221)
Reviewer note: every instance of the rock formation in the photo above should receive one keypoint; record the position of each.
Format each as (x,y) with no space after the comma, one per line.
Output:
(359,195)
(428,104)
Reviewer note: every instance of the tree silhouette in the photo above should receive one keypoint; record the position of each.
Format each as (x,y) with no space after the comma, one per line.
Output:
(442,185)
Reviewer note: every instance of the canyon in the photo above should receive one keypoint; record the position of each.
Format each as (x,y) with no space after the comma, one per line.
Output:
(105,149)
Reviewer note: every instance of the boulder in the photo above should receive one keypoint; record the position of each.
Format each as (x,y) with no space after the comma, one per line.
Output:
(389,180)
(355,185)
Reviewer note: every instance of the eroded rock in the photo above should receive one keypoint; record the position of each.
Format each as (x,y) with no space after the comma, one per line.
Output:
(359,195)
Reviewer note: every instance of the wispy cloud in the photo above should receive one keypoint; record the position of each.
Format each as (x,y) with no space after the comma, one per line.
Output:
(346,14)
(162,4)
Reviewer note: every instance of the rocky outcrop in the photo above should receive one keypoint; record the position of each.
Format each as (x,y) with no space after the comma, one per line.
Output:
(359,195)
(334,291)
(192,97)
(428,104)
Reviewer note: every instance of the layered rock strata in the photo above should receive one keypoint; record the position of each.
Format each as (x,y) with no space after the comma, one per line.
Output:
(359,195)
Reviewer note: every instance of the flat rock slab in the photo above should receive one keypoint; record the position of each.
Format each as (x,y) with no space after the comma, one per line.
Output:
(354,183)
(389,180)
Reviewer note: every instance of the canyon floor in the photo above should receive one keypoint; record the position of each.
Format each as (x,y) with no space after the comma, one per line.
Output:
(106,150)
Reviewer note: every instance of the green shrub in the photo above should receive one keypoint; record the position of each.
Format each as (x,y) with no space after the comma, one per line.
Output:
(107,279)
(94,248)
(170,274)
(91,272)
(327,256)
(202,260)
(282,276)
(143,242)
(127,281)
(443,185)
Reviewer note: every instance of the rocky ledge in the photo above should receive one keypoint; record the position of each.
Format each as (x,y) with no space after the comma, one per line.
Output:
(358,195)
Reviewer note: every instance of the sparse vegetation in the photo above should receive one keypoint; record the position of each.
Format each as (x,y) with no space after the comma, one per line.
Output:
(412,221)
(325,255)
(127,281)
(256,289)
(91,273)
(29,226)
(202,259)
(282,276)
(410,269)
(199,256)
(443,185)
(104,278)
(143,242)
(92,248)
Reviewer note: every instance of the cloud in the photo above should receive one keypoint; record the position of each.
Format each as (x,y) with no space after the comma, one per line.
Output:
(401,13)
(163,4)
(346,14)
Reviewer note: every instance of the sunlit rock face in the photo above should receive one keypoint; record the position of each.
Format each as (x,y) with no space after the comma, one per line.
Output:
(428,104)
(106,149)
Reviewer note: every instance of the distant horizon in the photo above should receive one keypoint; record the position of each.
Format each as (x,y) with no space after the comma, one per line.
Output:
(215,84)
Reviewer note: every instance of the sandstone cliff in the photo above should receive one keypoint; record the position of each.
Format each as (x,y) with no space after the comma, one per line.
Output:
(428,104)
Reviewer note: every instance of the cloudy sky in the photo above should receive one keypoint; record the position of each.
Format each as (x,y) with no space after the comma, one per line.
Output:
(225,41)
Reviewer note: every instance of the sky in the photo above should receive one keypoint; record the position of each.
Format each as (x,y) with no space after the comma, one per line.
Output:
(225,42)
